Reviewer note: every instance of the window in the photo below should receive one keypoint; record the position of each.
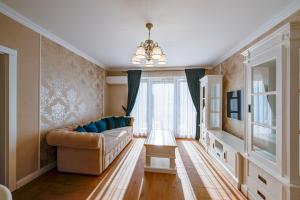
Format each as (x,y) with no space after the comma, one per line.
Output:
(164,103)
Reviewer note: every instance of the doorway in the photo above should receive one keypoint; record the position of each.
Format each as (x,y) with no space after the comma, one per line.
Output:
(3,114)
(8,116)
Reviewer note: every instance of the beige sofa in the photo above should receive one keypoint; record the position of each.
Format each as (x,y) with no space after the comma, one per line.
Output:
(88,153)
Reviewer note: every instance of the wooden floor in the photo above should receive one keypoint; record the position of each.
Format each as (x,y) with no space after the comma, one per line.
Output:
(197,178)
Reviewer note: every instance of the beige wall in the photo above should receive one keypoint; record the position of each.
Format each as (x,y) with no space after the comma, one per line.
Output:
(72,91)
(116,96)
(233,71)
(27,43)
(3,112)
(57,63)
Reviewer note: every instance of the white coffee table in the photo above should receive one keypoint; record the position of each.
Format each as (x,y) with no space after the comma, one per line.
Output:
(160,152)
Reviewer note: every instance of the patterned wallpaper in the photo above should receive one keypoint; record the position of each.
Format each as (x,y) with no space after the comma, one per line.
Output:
(72,91)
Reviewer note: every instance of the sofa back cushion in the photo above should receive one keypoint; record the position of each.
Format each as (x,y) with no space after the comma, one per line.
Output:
(91,127)
(101,125)
(110,122)
(119,122)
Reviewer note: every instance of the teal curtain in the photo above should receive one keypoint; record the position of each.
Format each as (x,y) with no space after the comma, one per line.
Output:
(193,76)
(133,81)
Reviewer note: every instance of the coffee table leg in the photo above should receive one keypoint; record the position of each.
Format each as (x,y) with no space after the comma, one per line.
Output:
(172,163)
(148,160)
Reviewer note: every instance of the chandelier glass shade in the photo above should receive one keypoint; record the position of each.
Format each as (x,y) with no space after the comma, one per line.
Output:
(149,53)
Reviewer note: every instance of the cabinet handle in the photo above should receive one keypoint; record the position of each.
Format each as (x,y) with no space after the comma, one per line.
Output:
(262,179)
(225,155)
(218,154)
(249,108)
(261,195)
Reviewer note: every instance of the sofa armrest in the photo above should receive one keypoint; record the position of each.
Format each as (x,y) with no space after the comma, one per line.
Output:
(131,120)
(73,139)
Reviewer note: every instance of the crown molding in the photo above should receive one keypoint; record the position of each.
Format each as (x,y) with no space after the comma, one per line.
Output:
(160,68)
(285,13)
(9,12)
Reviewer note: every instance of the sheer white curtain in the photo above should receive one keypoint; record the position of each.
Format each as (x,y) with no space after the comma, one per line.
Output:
(140,110)
(186,126)
(164,103)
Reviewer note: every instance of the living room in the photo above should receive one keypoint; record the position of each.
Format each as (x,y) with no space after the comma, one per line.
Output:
(150,99)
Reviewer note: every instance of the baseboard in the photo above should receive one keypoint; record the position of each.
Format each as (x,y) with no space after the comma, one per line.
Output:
(244,189)
(35,174)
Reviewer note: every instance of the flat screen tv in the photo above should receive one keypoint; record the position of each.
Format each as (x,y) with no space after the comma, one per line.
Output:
(235,106)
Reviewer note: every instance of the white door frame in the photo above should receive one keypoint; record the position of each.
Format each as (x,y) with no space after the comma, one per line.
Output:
(10,150)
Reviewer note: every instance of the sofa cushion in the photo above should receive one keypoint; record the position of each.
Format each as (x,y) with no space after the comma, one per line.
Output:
(91,128)
(114,137)
(110,122)
(80,129)
(117,132)
(119,122)
(101,125)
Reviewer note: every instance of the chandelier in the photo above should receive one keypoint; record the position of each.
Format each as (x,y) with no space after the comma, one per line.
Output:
(149,53)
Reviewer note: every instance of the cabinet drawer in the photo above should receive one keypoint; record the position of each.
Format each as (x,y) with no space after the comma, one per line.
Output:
(257,192)
(265,181)
(229,157)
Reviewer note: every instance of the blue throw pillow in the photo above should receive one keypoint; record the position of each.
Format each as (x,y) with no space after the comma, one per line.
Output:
(101,125)
(110,122)
(127,121)
(80,129)
(120,122)
(91,127)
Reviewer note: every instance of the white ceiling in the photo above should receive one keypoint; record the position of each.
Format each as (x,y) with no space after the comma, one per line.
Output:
(191,32)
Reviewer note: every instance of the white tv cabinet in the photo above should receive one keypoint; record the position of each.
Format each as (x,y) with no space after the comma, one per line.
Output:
(227,150)
(223,147)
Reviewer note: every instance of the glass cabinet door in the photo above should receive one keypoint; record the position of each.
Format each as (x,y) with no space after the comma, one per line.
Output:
(202,103)
(215,101)
(263,112)
(202,115)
